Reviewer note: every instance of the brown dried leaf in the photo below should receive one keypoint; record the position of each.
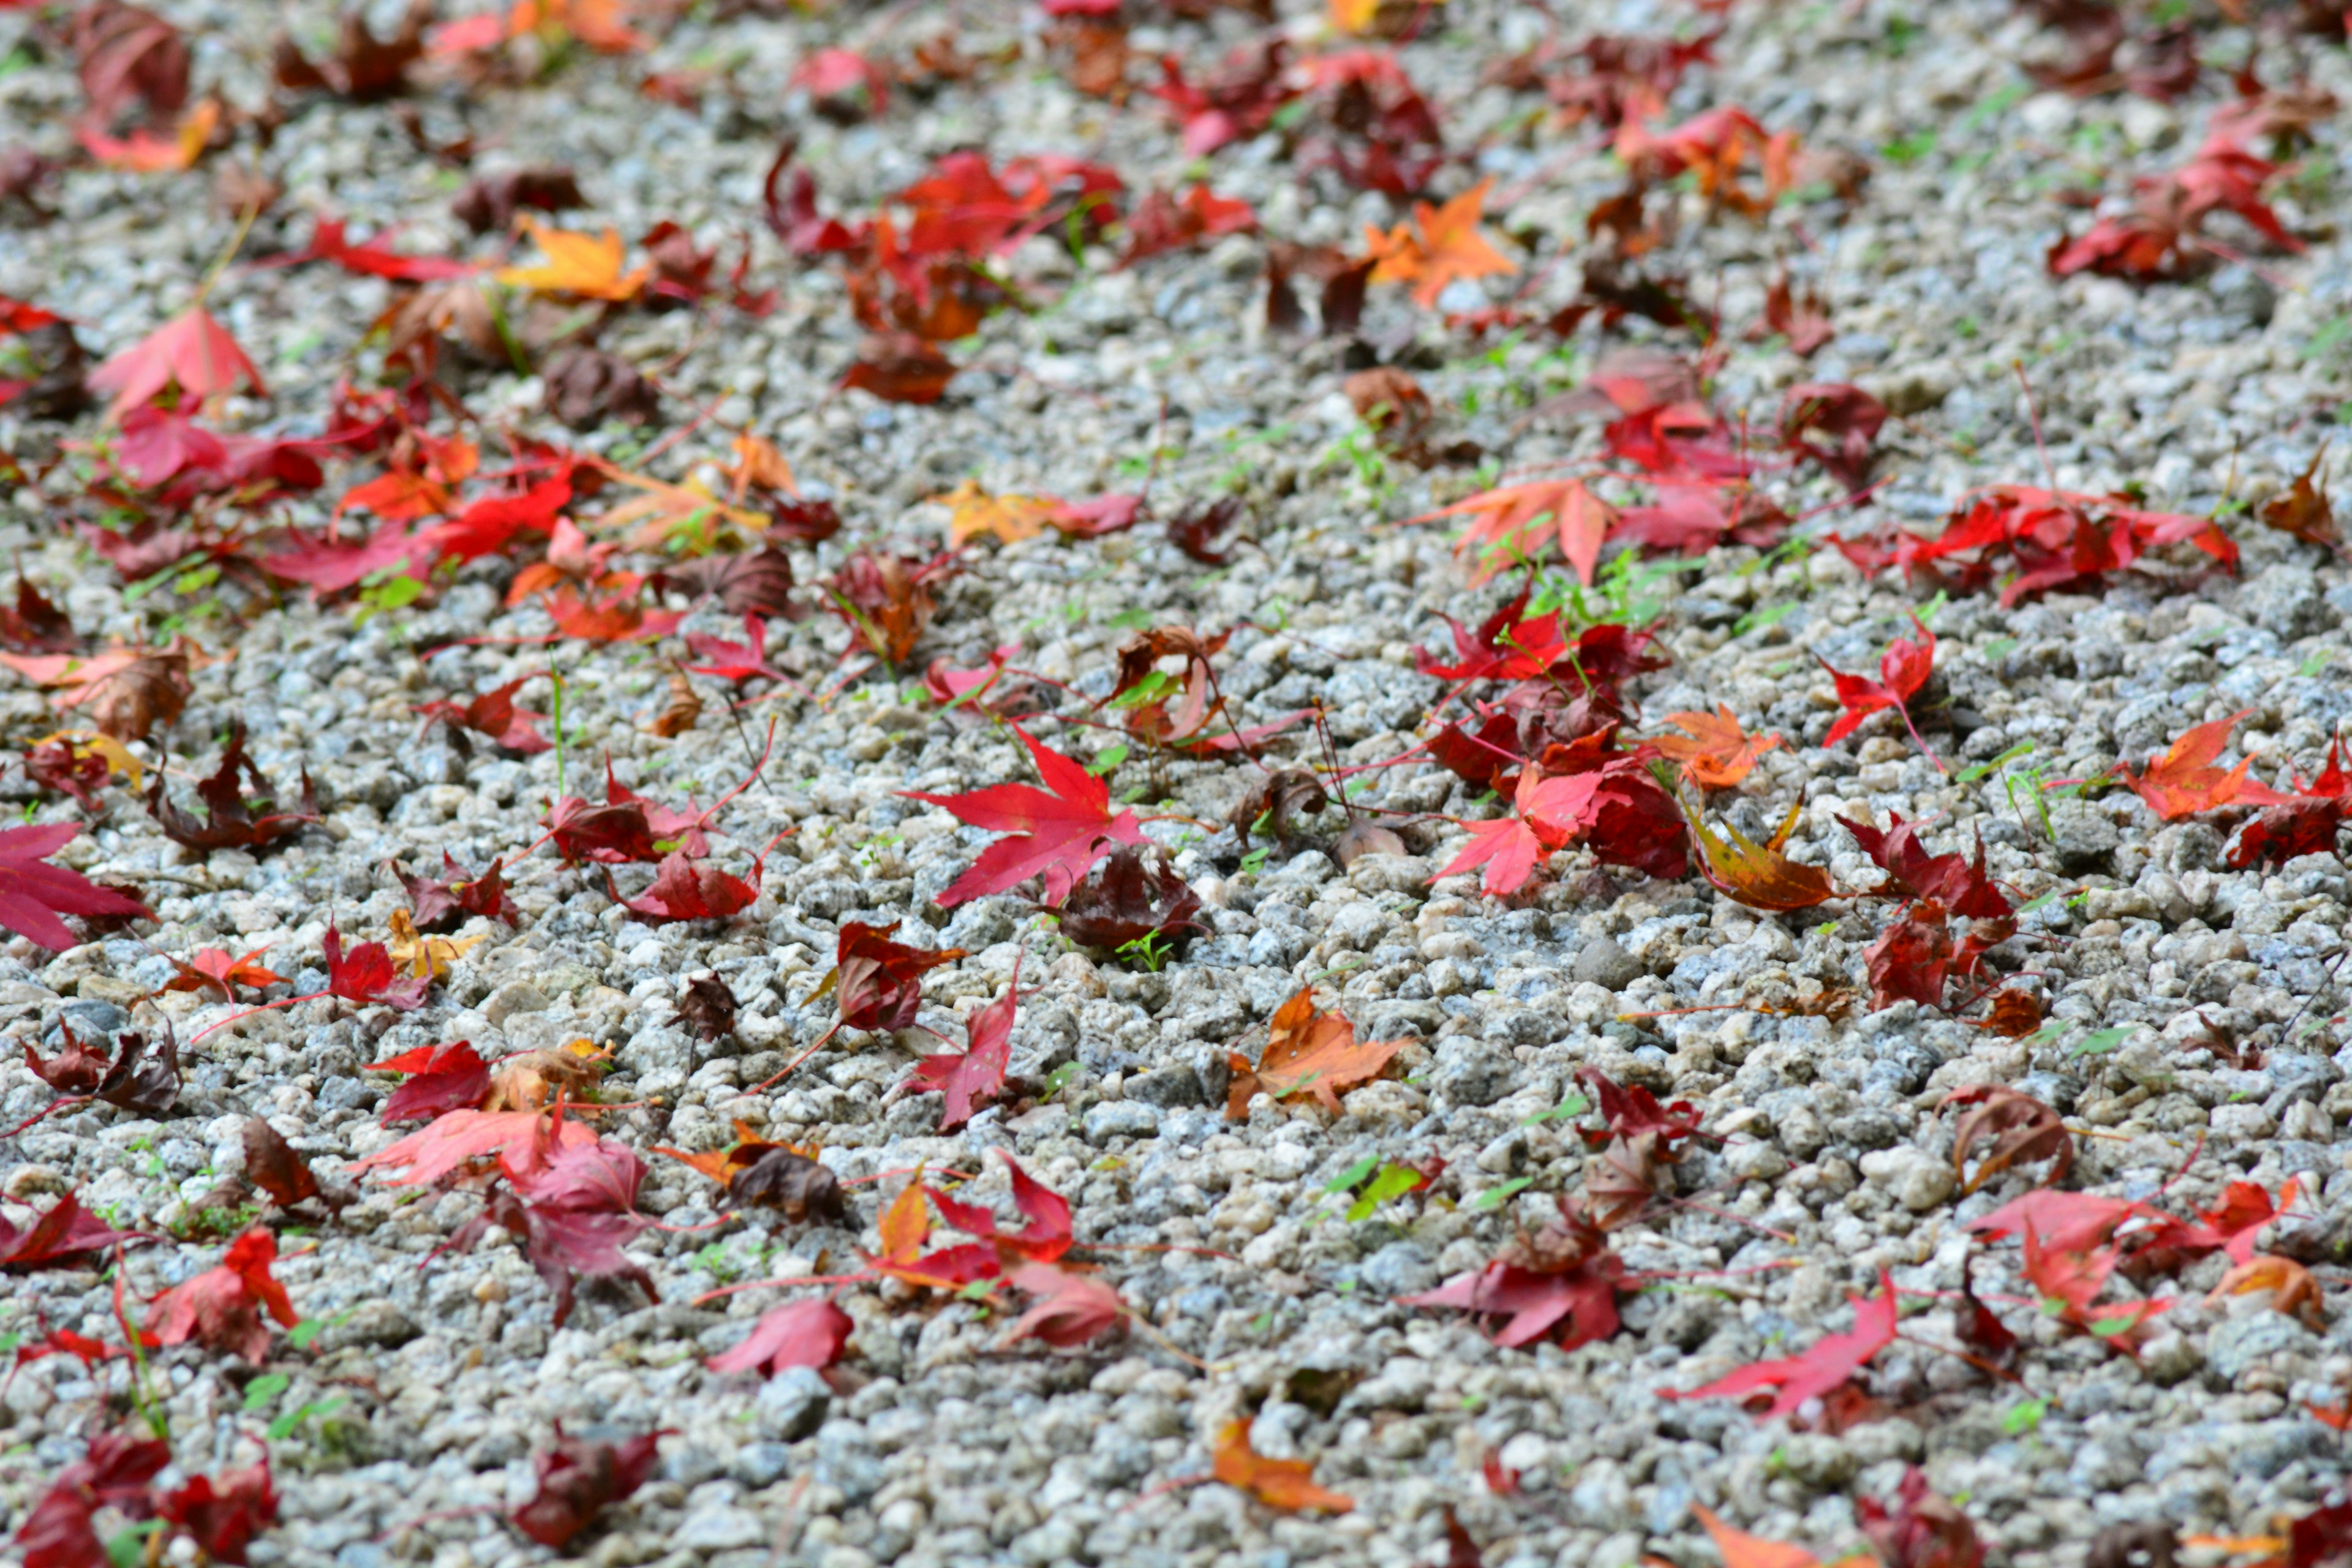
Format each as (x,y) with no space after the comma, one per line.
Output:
(677,716)
(1306,1052)
(2019,1127)
(708,1007)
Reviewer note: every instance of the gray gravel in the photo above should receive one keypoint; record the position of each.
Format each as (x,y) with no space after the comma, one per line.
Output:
(1833,1157)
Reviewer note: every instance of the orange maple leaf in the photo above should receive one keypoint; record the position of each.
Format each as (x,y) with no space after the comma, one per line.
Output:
(1012,518)
(144,153)
(1741,1550)
(1506,525)
(1718,754)
(1448,245)
(1306,1052)
(2294,1292)
(1758,874)
(584,265)
(1285,1484)
(2184,781)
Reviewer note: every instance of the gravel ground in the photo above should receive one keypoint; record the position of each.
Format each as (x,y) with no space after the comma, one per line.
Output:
(1833,1161)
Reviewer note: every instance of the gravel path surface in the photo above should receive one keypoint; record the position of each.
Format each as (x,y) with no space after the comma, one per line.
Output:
(431,1382)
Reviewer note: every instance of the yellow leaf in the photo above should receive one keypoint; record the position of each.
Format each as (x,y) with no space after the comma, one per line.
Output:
(426,957)
(1012,518)
(119,763)
(576,264)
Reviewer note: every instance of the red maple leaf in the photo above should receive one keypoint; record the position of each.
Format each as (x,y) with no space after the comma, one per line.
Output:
(67,1232)
(572,1208)
(1630,1112)
(370,259)
(2184,781)
(1044,1234)
(440,1079)
(1902,669)
(1832,1359)
(737,661)
(367,974)
(441,904)
(222,1517)
(1565,1277)
(686,889)
(223,1306)
(1057,832)
(798,1333)
(1922,1531)
(1912,957)
(1913,872)
(192,351)
(1070,1308)
(978,1071)
(490,525)
(494,713)
(115,1472)
(34,894)
(577,1479)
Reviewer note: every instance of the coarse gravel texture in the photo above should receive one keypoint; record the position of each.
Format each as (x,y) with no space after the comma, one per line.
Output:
(1833,1161)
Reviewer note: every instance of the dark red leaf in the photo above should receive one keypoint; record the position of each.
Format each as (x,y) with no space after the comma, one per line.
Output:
(577,1479)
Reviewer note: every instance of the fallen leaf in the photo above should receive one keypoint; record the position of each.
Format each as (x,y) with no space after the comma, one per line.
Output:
(127,689)
(192,352)
(1718,754)
(2184,781)
(34,894)
(1057,832)
(1285,1484)
(1442,245)
(1010,518)
(222,1518)
(1758,874)
(232,820)
(978,1072)
(2294,1292)
(440,1079)
(1922,1531)
(426,958)
(1902,669)
(577,1479)
(223,1306)
(1306,1052)
(1070,1308)
(2020,1128)
(1832,1360)
(708,1008)
(67,1233)
(1124,900)
(798,1333)
(577,264)
(366,974)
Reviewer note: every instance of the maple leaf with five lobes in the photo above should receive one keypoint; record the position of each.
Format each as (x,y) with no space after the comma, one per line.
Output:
(1057,832)
(1718,754)
(977,1072)
(191,350)
(1447,246)
(1902,669)
(34,894)
(1758,874)
(2184,781)
(1506,523)
(1306,1052)
(1832,1359)
(1548,813)
(584,265)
